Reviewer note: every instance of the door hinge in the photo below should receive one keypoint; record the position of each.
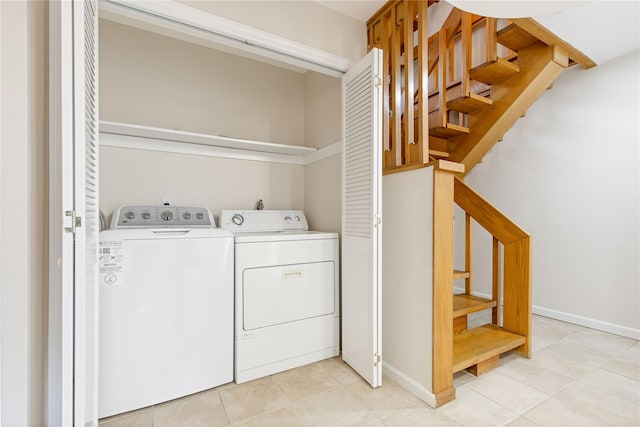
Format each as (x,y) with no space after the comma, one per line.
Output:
(377,82)
(76,222)
(377,359)
(377,220)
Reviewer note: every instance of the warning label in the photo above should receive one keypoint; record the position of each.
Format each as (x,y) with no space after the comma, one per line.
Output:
(111,262)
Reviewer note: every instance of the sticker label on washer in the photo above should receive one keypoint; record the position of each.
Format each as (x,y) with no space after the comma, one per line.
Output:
(111,262)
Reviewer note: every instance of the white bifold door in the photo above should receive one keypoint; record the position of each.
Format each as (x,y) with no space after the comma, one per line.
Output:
(73,214)
(361,218)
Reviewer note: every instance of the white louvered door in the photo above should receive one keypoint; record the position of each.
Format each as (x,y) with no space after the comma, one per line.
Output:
(361,218)
(72,392)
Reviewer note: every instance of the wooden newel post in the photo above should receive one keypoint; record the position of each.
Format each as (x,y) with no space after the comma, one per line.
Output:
(442,379)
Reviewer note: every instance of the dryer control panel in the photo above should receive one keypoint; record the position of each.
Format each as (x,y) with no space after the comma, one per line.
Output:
(161,216)
(263,220)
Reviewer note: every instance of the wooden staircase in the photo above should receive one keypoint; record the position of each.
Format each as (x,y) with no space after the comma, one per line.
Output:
(453,119)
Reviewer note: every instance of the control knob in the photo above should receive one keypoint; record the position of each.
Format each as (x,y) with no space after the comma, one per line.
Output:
(200,215)
(186,215)
(145,215)
(130,215)
(167,215)
(237,219)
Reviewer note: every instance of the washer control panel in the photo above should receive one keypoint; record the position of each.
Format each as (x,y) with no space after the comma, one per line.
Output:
(161,216)
(263,220)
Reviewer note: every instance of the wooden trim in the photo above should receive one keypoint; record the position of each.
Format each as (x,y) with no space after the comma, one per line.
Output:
(389,159)
(495,281)
(537,30)
(491,42)
(448,166)
(442,78)
(409,136)
(466,45)
(423,81)
(405,168)
(468,249)
(396,88)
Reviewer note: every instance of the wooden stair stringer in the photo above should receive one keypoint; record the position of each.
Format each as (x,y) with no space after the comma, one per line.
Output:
(540,65)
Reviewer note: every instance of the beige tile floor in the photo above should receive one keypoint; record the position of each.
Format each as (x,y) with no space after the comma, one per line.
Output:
(577,377)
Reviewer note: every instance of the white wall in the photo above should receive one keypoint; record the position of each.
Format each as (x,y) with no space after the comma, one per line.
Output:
(129,176)
(407,280)
(323,127)
(568,174)
(305,22)
(154,80)
(22,207)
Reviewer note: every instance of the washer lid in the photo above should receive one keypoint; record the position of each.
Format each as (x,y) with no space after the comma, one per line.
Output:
(283,236)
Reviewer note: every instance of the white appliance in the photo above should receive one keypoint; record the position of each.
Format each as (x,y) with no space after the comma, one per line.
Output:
(286,281)
(166,306)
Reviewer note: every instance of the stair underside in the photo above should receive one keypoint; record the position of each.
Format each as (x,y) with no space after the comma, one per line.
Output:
(492,72)
(464,304)
(515,38)
(483,343)
(449,131)
(469,104)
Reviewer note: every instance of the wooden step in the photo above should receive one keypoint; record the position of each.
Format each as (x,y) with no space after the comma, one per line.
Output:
(493,72)
(448,131)
(438,154)
(459,274)
(483,344)
(469,104)
(464,304)
(515,38)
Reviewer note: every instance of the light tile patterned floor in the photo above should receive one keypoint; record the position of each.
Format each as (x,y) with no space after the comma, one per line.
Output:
(577,377)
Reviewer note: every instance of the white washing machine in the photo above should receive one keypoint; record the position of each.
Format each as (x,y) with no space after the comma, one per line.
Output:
(166,306)
(286,281)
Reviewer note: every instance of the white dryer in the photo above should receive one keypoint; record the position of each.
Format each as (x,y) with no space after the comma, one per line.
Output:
(166,306)
(286,292)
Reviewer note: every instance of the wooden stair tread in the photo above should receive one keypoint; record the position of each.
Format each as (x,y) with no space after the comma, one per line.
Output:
(515,38)
(479,344)
(493,72)
(449,131)
(460,274)
(438,154)
(468,104)
(464,304)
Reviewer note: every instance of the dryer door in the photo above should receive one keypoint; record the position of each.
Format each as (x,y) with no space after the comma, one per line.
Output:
(287,293)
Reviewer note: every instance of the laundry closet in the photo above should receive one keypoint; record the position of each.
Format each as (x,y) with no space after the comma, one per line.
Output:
(195,128)
(152,80)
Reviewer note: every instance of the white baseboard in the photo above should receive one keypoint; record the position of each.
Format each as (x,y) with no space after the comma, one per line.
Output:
(409,384)
(588,322)
(576,319)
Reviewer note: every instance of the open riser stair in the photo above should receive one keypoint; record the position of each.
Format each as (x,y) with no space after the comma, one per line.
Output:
(448,99)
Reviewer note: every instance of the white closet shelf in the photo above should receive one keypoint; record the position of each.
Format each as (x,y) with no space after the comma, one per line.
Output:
(203,139)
